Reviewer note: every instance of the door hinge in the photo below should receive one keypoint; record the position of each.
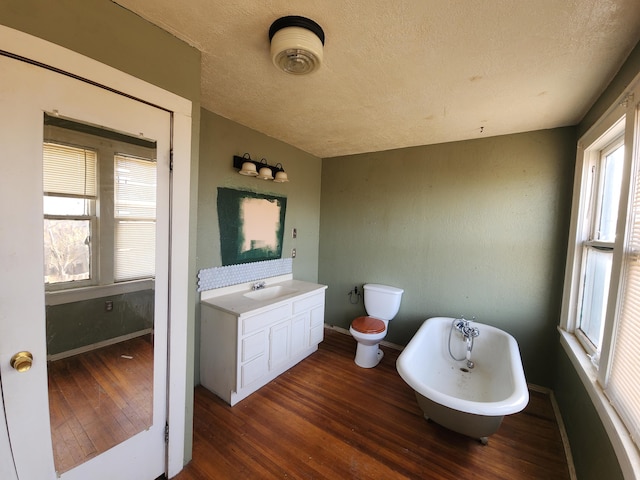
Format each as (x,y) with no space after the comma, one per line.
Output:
(166,433)
(171,160)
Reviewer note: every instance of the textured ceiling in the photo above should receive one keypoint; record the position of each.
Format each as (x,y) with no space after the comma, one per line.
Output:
(405,73)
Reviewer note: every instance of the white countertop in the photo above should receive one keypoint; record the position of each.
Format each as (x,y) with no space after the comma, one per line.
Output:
(238,304)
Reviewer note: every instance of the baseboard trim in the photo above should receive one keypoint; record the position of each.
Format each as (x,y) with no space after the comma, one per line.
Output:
(564,436)
(561,427)
(95,346)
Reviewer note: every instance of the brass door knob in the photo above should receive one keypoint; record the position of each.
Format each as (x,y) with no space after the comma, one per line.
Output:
(21,361)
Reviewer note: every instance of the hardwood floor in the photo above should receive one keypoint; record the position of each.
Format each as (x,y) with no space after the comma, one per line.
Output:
(98,399)
(328,419)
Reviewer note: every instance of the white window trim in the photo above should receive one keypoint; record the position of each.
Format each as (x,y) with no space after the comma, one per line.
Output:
(591,376)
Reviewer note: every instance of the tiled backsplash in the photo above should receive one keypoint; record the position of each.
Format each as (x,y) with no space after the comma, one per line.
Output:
(218,277)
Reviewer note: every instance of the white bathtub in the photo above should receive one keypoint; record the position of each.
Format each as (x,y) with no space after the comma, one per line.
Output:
(469,401)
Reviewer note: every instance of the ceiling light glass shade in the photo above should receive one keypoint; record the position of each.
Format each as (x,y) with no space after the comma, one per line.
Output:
(281,177)
(265,173)
(248,168)
(296,50)
(296,44)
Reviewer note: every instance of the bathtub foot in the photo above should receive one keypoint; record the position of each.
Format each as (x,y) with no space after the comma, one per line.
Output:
(484,440)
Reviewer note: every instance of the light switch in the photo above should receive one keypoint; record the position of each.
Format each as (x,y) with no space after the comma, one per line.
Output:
(294,233)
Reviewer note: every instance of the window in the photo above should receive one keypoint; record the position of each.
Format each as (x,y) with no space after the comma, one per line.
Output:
(99,207)
(135,217)
(603,183)
(70,190)
(601,303)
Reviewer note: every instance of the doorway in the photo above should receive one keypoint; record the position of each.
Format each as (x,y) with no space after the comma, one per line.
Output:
(23,307)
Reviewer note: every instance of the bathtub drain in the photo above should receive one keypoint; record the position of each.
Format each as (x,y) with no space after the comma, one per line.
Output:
(465,370)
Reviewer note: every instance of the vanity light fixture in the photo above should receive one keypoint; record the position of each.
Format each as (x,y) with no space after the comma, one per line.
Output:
(296,44)
(262,170)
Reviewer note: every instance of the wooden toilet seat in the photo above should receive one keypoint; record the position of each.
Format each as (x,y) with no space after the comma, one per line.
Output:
(368,325)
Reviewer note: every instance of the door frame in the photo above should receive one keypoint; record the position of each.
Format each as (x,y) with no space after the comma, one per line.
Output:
(84,68)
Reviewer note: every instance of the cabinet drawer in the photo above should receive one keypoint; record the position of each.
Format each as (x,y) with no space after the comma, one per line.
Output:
(307,303)
(265,319)
(253,345)
(253,370)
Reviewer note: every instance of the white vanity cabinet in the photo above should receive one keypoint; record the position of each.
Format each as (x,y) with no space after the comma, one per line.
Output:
(244,345)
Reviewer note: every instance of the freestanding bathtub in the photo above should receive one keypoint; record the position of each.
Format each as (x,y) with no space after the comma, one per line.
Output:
(471,401)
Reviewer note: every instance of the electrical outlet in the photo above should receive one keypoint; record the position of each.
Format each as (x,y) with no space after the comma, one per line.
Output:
(108,305)
(293,253)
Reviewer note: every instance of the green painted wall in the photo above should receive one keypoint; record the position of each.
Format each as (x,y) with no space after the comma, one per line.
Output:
(220,140)
(104,31)
(467,228)
(77,324)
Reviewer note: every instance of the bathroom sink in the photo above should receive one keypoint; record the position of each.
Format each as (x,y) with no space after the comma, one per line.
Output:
(269,293)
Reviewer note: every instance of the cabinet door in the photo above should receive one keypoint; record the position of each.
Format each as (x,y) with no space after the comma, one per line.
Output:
(299,333)
(316,324)
(279,344)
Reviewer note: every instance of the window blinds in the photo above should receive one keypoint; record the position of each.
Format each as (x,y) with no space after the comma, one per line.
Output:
(623,385)
(135,218)
(69,171)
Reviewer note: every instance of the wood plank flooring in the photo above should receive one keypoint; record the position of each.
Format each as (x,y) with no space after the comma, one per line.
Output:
(328,419)
(98,399)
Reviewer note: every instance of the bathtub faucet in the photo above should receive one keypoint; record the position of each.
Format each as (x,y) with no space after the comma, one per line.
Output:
(464,327)
(469,333)
(469,341)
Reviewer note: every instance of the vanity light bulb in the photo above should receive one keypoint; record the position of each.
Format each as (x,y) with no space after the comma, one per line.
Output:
(249,169)
(265,173)
(281,177)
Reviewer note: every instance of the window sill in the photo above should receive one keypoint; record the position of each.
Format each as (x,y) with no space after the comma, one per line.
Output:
(71,295)
(626,451)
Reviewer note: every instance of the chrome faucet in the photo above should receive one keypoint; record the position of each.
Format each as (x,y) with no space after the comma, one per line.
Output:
(258,285)
(470,364)
(469,333)
(464,327)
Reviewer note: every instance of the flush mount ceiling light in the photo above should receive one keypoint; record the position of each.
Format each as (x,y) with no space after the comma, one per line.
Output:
(296,44)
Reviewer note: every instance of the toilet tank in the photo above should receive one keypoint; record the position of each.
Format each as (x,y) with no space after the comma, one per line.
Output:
(382,301)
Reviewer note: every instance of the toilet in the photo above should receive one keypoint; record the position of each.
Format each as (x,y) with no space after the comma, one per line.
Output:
(382,303)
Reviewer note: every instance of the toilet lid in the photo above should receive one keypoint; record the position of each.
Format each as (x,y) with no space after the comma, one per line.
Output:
(368,325)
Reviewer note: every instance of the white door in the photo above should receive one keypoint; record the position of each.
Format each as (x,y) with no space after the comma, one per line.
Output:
(27,92)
